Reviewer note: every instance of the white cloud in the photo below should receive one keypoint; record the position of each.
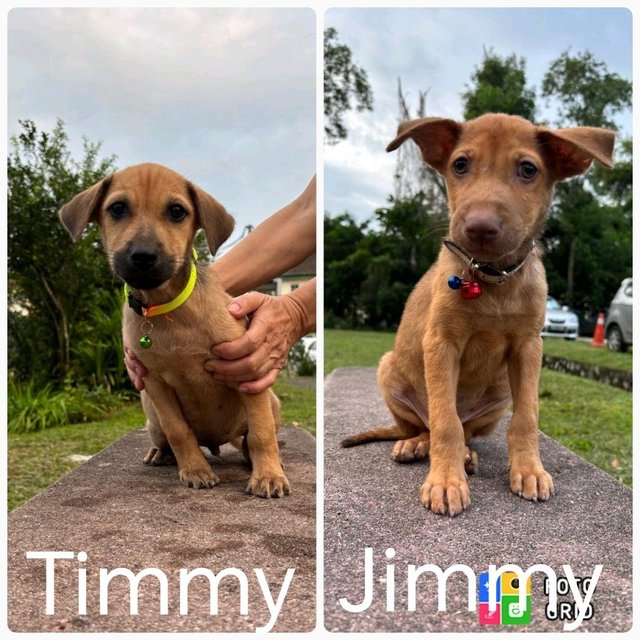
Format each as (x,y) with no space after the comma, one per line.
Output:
(225,96)
(437,50)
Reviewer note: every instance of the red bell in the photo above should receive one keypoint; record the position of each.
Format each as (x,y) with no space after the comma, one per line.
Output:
(470,290)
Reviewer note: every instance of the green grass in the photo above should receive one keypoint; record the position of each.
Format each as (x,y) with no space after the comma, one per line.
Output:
(298,398)
(343,348)
(590,418)
(583,352)
(38,459)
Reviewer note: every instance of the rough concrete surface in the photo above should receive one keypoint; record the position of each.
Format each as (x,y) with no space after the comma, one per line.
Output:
(371,501)
(124,514)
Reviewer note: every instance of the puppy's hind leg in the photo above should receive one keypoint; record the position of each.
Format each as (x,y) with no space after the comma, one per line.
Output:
(478,427)
(160,452)
(160,457)
(412,449)
(407,426)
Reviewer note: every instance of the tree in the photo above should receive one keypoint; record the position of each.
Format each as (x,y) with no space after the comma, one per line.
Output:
(416,230)
(370,271)
(345,84)
(345,268)
(587,92)
(617,183)
(591,216)
(413,175)
(499,86)
(51,283)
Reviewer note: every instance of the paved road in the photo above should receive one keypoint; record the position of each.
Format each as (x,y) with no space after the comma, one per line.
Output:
(123,514)
(371,502)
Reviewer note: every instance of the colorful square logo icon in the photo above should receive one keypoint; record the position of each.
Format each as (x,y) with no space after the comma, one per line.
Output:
(510,584)
(485,616)
(508,609)
(484,588)
(511,612)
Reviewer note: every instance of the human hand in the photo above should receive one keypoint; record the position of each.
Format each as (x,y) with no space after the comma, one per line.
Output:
(253,361)
(135,369)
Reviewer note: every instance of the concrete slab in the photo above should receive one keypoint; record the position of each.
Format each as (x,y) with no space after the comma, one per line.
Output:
(123,514)
(372,502)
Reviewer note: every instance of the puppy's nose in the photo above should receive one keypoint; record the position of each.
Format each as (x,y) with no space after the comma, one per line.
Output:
(143,260)
(482,229)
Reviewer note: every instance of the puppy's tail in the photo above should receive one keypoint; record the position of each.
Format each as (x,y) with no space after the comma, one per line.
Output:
(374,435)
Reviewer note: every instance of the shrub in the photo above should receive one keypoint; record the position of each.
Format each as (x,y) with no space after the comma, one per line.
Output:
(97,354)
(302,357)
(33,407)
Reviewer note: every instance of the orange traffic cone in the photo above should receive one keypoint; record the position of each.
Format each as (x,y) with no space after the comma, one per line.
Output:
(598,334)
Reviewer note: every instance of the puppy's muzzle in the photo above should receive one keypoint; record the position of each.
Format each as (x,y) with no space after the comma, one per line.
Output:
(144,266)
(483,231)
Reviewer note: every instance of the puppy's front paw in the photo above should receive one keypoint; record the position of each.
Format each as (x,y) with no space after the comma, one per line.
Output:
(274,486)
(199,477)
(530,481)
(445,493)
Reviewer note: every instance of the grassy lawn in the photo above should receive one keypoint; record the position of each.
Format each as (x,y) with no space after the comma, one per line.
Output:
(298,398)
(354,348)
(583,352)
(37,460)
(590,418)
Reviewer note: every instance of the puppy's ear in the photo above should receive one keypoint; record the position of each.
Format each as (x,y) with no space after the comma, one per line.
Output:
(569,152)
(436,138)
(211,216)
(83,208)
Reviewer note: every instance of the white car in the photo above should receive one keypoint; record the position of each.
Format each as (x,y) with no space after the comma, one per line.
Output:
(559,321)
(618,328)
(309,343)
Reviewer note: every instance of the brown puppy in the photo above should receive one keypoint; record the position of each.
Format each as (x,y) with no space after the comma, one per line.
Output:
(458,362)
(148,216)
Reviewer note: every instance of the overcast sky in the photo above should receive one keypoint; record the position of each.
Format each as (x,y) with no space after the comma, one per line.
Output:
(224,96)
(438,50)
(227,96)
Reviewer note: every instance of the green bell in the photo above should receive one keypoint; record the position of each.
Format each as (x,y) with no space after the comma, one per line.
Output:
(145,342)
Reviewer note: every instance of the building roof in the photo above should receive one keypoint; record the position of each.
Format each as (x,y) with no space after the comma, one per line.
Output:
(305,268)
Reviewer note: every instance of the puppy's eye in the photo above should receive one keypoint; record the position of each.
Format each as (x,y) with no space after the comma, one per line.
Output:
(527,170)
(177,212)
(460,166)
(118,210)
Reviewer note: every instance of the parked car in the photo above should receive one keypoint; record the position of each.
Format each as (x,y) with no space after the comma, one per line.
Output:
(618,326)
(301,359)
(309,342)
(588,321)
(559,321)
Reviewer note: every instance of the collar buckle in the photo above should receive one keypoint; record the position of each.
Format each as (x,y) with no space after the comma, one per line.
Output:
(136,305)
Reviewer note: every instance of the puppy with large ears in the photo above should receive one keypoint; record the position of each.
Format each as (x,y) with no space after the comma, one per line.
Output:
(469,340)
(148,216)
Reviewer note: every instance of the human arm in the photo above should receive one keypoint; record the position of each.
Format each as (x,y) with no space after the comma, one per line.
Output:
(282,241)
